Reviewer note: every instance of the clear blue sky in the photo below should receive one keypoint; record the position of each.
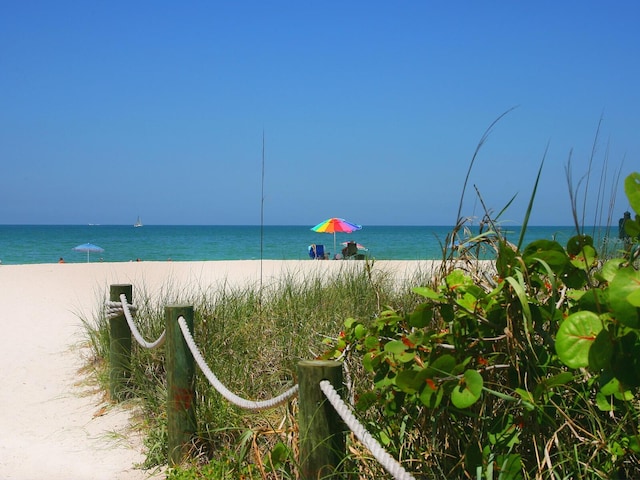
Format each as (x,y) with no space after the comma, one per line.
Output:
(371,110)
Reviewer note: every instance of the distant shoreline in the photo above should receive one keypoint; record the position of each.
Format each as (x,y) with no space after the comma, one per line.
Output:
(25,245)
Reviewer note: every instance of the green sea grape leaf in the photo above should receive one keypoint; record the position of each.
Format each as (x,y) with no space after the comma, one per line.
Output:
(388,317)
(603,403)
(574,277)
(400,351)
(577,243)
(626,283)
(370,361)
(421,316)
(431,395)
(447,312)
(416,338)
(506,260)
(575,337)
(348,323)
(632,190)
(601,351)
(406,357)
(610,269)
(632,227)
(371,342)
(476,291)
(365,401)
(441,366)
(537,247)
(548,251)
(595,300)
(634,298)
(586,258)
(457,279)
(611,387)
(467,301)
(410,381)
(427,293)
(468,390)
(396,347)
(625,364)
(558,380)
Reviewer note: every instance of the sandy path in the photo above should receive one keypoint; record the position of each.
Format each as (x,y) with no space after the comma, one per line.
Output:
(51,426)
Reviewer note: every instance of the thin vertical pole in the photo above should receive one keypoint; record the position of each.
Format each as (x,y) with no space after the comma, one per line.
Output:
(322,432)
(119,346)
(261,218)
(181,416)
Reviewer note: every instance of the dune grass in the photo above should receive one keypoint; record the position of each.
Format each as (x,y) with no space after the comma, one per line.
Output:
(252,339)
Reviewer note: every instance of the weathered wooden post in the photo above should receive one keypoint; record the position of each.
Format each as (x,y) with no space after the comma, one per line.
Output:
(181,412)
(321,430)
(119,346)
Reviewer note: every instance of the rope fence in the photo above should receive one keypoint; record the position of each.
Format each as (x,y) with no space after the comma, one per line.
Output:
(114,309)
(323,415)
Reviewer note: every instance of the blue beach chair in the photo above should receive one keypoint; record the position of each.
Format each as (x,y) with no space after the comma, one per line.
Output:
(316,252)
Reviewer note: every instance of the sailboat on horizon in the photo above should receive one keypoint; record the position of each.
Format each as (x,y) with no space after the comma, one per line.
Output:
(138,222)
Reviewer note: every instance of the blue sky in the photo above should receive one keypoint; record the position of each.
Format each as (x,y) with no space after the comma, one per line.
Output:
(371,110)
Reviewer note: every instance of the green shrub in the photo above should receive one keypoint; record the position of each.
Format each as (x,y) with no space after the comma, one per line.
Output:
(529,370)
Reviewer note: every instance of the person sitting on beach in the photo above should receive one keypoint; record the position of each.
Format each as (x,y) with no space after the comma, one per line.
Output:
(622,232)
(350,250)
(61,260)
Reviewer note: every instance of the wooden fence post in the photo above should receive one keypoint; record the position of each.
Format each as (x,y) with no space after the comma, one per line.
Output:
(119,346)
(181,413)
(321,430)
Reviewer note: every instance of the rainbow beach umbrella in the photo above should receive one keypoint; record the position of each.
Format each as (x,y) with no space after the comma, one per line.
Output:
(333,225)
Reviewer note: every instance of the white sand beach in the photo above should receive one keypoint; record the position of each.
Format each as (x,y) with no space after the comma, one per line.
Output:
(52,423)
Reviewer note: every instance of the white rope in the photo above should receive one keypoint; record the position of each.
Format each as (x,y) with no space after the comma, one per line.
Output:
(115,308)
(224,391)
(387,461)
(118,308)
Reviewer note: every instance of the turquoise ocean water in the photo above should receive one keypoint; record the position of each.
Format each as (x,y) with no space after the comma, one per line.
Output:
(28,244)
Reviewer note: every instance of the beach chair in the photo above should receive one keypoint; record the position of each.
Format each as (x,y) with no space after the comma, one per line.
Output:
(316,252)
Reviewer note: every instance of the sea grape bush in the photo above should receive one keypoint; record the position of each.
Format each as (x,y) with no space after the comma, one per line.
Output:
(528,370)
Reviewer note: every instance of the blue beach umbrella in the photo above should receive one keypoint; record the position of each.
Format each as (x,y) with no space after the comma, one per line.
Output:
(89,248)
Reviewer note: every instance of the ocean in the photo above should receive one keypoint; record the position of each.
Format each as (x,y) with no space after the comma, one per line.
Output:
(29,244)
